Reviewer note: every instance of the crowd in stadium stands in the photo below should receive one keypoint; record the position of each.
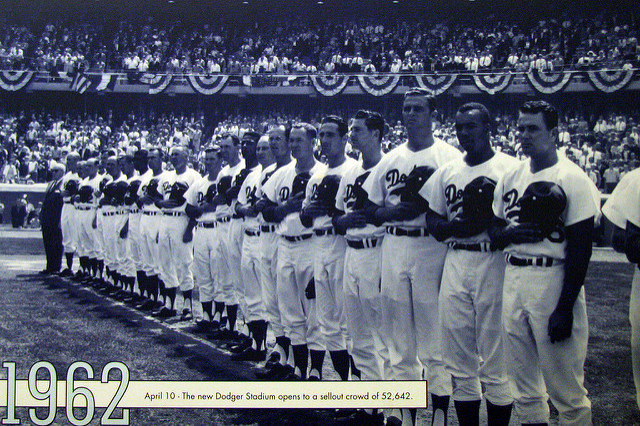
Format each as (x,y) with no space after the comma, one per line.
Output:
(606,147)
(333,46)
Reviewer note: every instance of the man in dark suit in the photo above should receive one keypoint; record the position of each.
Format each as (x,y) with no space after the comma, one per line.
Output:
(50,221)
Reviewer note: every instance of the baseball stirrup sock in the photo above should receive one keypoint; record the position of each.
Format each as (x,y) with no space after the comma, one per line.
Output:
(499,415)
(468,412)
(171,294)
(142,281)
(317,359)
(354,370)
(69,257)
(340,360)
(232,316)
(440,407)
(186,295)
(207,310)
(301,359)
(284,343)
(218,312)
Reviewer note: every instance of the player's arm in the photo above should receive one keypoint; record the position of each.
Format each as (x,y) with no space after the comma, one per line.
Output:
(632,243)
(443,229)
(124,231)
(272,212)
(503,234)
(578,253)
(187,236)
(343,221)
(400,212)
(618,239)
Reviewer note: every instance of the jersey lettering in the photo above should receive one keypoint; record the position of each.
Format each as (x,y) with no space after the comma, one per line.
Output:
(393,178)
(284,193)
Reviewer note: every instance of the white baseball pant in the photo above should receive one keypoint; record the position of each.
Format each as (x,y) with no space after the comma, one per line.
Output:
(69,227)
(250,266)
(634,317)
(268,278)
(176,256)
(204,248)
(149,229)
(225,291)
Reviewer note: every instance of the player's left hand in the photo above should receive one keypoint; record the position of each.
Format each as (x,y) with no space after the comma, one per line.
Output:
(187,237)
(560,325)
(315,210)
(124,231)
(310,290)
(170,204)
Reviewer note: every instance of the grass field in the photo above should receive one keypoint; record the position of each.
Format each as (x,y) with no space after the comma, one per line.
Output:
(54,320)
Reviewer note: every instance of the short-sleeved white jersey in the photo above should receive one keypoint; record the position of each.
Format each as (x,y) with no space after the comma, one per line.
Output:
(386,181)
(349,200)
(224,211)
(94,184)
(142,191)
(623,204)
(248,195)
(265,175)
(66,178)
(278,189)
(189,177)
(324,222)
(583,202)
(195,197)
(444,190)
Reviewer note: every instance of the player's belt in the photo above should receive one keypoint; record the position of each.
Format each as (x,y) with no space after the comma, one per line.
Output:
(236,216)
(268,228)
(251,233)
(297,237)
(134,211)
(150,213)
(323,232)
(364,243)
(68,202)
(207,224)
(401,232)
(224,219)
(174,214)
(109,213)
(531,261)
(482,246)
(84,208)
(121,212)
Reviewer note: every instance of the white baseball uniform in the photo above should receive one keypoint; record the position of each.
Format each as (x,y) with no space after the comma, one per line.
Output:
(126,263)
(150,228)
(110,230)
(624,206)
(361,283)
(135,235)
(411,272)
(68,217)
(295,263)
(85,214)
(175,255)
(471,289)
(531,294)
(328,265)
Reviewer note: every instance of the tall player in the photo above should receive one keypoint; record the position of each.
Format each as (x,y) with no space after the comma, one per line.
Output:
(410,285)
(544,310)
(328,246)
(285,192)
(471,289)
(68,211)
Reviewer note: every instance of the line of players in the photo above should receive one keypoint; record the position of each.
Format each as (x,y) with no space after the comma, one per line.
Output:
(374,260)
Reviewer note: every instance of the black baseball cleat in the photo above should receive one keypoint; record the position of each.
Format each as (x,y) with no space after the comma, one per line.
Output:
(186,315)
(314,376)
(241,346)
(281,372)
(66,273)
(250,354)
(147,305)
(224,334)
(202,326)
(165,313)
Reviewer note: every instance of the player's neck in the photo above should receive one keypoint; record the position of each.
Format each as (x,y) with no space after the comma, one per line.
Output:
(283,162)
(305,164)
(234,162)
(371,158)
(250,165)
(544,161)
(181,170)
(420,140)
(337,161)
(157,172)
(474,159)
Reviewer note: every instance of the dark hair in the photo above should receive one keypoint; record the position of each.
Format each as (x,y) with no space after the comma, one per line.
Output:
(286,126)
(343,128)
(212,148)
(475,106)
(234,138)
(418,91)
(155,148)
(255,136)
(311,131)
(372,120)
(549,113)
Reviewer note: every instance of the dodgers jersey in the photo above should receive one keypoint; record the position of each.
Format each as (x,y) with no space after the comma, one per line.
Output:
(189,177)
(624,203)
(324,222)
(265,175)
(142,191)
(195,197)
(66,178)
(444,190)
(350,197)
(583,202)
(386,181)
(277,190)
(248,195)
(224,211)
(95,186)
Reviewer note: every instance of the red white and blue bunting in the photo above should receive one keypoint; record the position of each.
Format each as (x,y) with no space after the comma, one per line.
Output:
(207,84)
(329,85)
(437,84)
(82,83)
(107,81)
(492,84)
(610,81)
(548,82)
(15,80)
(378,85)
(160,83)
(149,78)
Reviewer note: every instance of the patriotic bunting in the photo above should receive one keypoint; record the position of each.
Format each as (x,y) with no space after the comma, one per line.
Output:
(15,80)
(437,84)
(160,84)
(492,84)
(378,85)
(548,82)
(149,78)
(329,85)
(83,83)
(207,85)
(610,81)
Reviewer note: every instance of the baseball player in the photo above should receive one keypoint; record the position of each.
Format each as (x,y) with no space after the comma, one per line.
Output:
(410,285)
(255,314)
(81,246)
(548,251)
(471,289)
(279,363)
(126,265)
(205,241)
(284,193)
(149,229)
(228,280)
(623,210)
(68,211)
(176,256)
(86,216)
(328,246)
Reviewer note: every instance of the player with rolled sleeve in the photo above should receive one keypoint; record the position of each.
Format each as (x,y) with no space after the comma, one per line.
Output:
(460,196)
(285,192)
(623,210)
(412,260)
(545,211)
(176,256)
